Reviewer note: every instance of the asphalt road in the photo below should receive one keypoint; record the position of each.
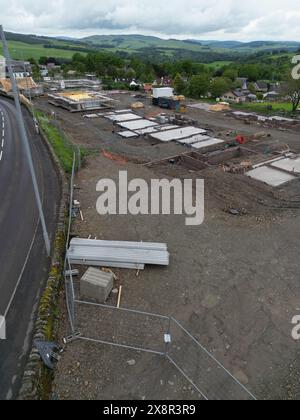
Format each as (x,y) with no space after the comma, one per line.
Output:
(23,261)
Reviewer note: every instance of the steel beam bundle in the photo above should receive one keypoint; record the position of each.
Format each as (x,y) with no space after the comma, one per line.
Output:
(132,255)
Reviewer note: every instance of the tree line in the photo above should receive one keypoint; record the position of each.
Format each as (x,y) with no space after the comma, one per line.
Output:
(191,78)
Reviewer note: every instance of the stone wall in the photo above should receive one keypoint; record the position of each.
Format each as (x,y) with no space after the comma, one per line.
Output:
(36,378)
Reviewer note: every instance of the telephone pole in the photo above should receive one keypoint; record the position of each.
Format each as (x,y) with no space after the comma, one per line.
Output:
(24,139)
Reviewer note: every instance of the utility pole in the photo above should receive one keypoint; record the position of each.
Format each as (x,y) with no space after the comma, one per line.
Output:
(24,139)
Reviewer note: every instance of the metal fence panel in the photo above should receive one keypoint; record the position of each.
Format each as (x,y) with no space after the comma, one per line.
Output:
(122,327)
(202,369)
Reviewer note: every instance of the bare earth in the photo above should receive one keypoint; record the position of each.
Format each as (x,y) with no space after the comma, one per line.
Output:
(232,282)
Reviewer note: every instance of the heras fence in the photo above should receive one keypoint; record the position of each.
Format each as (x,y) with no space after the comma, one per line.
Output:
(159,335)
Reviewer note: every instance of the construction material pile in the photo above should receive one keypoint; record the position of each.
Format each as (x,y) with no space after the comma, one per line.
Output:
(220,107)
(138,105)
(130,255)
(24,83)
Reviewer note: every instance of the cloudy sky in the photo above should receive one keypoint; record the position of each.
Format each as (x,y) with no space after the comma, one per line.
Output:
(202,19)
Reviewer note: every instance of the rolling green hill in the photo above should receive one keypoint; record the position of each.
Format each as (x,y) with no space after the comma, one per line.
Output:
(138,42)
(20,50)
(253,47)
(33,46)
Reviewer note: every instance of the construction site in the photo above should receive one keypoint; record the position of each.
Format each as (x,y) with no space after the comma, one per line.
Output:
(228,286)
(80,101)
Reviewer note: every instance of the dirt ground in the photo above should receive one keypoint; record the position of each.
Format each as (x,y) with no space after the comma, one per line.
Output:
(232,282)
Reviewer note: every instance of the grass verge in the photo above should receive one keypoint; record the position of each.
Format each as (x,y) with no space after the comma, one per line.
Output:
(62,147)
(267,107)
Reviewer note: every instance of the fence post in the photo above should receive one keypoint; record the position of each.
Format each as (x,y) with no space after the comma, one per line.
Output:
(70,297)
(168,338)
(79,158)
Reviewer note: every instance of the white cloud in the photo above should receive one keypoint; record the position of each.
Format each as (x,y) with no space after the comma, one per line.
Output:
(216,19)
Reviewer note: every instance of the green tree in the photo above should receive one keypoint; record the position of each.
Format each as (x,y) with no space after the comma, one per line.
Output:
(237,84)
(179,84)
(251,87)
(231,74)
(78,58)
(35,69)
(219,86)
(130,74)
(147,77)
(251,71)
(198,86)
(43,60)
(187,67)
(293,91)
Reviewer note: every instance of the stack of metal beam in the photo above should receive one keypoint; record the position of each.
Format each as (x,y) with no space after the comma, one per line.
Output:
(131,255)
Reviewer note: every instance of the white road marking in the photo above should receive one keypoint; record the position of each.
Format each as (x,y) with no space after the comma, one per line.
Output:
(22,271)
(3,134)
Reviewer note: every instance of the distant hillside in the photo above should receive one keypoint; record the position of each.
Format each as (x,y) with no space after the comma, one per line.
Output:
(270,45)
(217,44)
(253,46)
(33,46)
(138,42)
(150,47)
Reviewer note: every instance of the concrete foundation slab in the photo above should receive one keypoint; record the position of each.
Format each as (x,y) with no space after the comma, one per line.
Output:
(137,125)
(289,164)
(194,139)
(148,130)
(127,134)
(270,176)
(123,117)
(207,143)
(123,111)
(178,134)
(168,127)
(268,162)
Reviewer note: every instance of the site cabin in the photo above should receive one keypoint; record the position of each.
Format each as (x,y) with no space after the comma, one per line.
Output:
(163,93)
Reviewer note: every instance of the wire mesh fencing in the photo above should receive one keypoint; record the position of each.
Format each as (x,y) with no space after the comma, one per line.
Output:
(211,379)
(163,336)
(70,296)
(69,284)
(125,328)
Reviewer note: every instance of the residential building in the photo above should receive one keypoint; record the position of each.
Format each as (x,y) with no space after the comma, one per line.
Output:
(271,96)
(239,96)
(20,69)
(261,87)
(244,82)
